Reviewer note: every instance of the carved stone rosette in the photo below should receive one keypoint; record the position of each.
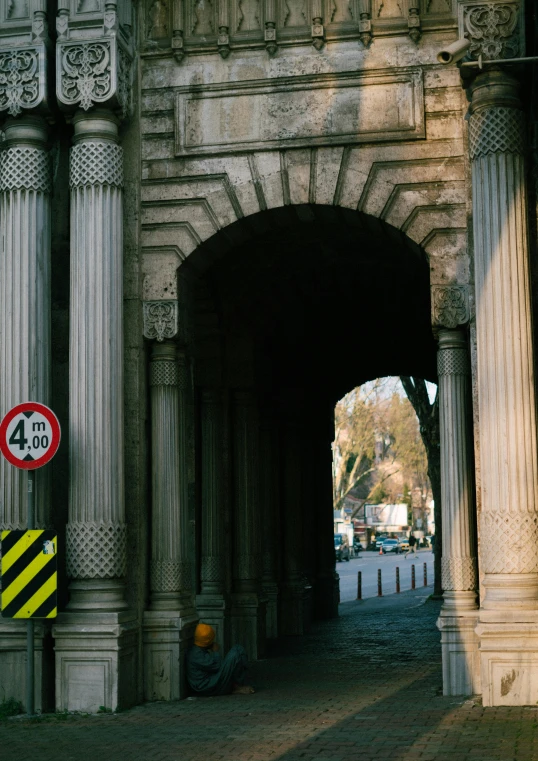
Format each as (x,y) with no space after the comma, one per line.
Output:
(160,319)
(93,72)
(23,77)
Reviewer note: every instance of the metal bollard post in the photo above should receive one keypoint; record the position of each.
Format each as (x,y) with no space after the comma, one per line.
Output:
(425,575)
(359,585)
(379,587)
(397,580)
(413,576)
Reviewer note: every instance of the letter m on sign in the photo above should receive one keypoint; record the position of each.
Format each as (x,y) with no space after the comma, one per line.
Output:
(29,574)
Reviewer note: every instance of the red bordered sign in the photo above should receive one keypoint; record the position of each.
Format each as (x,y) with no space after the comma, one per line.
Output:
(29,435)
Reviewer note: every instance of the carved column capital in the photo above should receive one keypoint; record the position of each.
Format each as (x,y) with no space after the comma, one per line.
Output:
(95,72)
(160,320)
(494,28)
(163,368)
(23,79)
(450,306)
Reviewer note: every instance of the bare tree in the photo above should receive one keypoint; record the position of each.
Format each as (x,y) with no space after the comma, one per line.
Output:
(428,417)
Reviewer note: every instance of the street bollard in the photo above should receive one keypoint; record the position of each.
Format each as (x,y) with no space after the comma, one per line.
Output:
(379,587)
(413,576)
(397,580)
(425,575)
(359,585)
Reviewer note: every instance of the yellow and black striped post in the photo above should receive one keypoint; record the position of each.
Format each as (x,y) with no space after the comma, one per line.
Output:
(29,574)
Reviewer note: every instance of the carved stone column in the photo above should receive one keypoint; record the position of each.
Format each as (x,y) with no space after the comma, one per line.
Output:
(295,588)
(459,615)
(269,506)
(508,627)
(248,611)
(212,602)
(170,617)
(98,626)
(25,186)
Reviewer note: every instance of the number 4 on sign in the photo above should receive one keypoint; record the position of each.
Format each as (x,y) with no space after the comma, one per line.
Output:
(29,435)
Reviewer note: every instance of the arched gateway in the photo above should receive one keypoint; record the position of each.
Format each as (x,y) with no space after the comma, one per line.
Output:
(270,203)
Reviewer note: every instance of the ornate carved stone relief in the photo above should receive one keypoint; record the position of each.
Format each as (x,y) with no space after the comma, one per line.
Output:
(25,169)
(493,29)
(92,73)
(96,550)
(96,163)
(450,306)
(496,130)
(22,78)
(160,319)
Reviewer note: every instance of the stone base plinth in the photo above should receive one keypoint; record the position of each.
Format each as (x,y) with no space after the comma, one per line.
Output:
(270,593)
(13,663)
(326,596)
(248,623)
(96,661)
(508,662)
(459,648)
(214,609)
(167,636)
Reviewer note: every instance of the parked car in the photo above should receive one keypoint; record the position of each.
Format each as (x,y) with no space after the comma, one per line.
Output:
(391,545)
(379,541)
(341,547)
(404,543)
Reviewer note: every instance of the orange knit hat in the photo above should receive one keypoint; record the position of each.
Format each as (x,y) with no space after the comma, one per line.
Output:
(204,635)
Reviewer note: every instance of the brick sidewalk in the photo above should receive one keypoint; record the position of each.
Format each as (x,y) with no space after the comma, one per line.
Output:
(365,686)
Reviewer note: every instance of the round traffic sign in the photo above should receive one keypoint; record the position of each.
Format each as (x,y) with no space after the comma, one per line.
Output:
(29,435)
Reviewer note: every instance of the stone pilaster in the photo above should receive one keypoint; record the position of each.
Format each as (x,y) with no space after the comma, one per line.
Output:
(327,582)
(95,639)
(248,611)
(459,615)
(169,621)
(508,627)
(25,186)
(212,602)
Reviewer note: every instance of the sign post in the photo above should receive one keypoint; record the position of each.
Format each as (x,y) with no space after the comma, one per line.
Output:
(29,438)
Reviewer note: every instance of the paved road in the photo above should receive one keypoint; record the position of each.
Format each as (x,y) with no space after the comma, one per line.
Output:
(369,562)
(363,687)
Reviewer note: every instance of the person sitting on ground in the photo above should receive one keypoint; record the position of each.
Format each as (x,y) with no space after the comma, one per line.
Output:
(208,673)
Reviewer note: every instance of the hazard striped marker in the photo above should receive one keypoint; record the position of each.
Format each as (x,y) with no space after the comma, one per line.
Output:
(29,574)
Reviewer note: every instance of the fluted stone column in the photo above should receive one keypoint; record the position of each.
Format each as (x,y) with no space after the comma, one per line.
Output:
(169,621)
(459,615)
(248,611)
(25,186)
(295,588)
(96,532)
(508,628)
(212,602)
(269,506)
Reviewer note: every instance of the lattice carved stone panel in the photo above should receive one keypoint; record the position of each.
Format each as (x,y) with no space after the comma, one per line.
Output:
(248,566)
(25,169)
(96,163)
(163,373)
(453,362)
(212,568)
(509,542)
(96,550)
(459,574)
(496,130)
(165,576)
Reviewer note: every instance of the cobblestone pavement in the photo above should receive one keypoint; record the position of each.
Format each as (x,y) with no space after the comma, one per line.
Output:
(366,686)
